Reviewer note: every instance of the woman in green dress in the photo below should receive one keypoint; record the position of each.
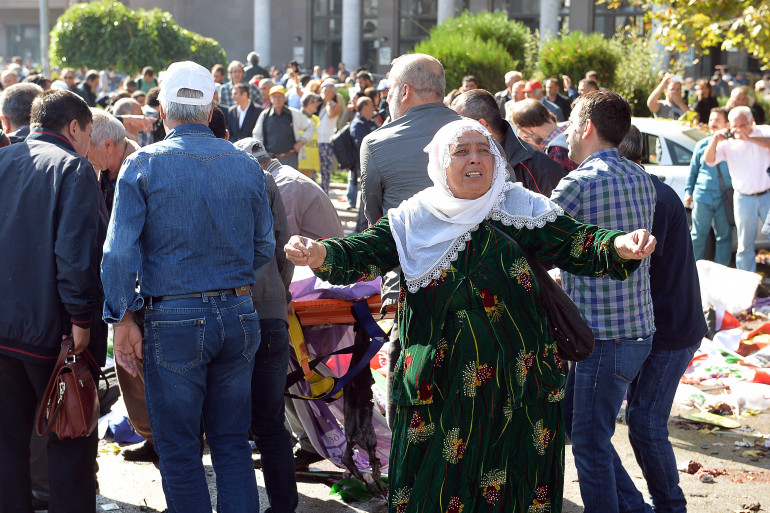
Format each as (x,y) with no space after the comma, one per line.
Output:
(478,385)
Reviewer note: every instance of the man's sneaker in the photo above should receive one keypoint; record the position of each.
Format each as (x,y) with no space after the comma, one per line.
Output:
(144,451)
(303,459)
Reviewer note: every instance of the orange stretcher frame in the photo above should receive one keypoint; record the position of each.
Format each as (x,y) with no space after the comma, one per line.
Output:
(314,312)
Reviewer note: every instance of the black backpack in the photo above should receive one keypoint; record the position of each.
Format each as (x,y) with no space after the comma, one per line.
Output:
(344,148)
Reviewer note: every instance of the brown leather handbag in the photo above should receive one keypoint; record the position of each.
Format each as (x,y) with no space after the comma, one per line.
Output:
(70,406)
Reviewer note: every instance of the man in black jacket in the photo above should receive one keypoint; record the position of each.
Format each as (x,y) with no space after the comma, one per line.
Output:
(52,289)
(87,89)
(531,167)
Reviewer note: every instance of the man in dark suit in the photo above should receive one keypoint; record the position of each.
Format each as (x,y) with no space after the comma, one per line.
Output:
(242,116)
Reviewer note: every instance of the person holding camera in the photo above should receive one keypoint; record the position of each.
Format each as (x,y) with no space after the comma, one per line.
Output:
(746,149)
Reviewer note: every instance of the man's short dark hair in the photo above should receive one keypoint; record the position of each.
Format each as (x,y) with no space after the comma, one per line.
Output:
(92,74)
(609,112)
(470,78)
(152,97)
(130,83)
(243,88)
(530,113)
(148,71)
(253,58)
(589,82)
(16,102)
(478,104)
(365,75)
(304,79)
(218,68)
(631,145)
(722,111)
(55,109)
(218,123)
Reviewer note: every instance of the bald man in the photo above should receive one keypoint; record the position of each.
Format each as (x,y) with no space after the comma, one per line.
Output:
(393,164)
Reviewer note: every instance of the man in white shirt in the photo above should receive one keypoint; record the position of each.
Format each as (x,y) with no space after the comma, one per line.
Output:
(746,149)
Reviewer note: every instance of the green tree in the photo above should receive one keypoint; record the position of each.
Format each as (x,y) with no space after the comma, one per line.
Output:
(685,24)
(485,44)
(108,35)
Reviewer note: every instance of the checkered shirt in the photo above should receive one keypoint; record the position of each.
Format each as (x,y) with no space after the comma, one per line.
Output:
(226,95)
(611,192)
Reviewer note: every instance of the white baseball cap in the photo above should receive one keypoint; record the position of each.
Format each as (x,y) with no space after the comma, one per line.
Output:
(186,75)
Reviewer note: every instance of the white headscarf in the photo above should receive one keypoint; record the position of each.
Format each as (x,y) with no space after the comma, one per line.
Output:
(432,227)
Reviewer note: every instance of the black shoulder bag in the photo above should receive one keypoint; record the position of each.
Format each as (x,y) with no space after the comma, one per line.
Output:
(727,196)
(574,338)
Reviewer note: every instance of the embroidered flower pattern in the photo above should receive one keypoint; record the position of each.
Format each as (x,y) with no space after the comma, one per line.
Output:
(425,393)
(401,301)
(418,430)
(523,274)
(372,273)
(401,499)
(556,395)
(540,503)
(440,279)
(475,375)
(549,348)
(490,483)
(454,446)
(557,359)
(581,243)
(541,437)
(441,348)
(492,305)
(408,359)
(524,362)
(455,506)
(507,410)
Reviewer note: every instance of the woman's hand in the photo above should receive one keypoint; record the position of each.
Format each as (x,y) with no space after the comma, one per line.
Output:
(635,245)
(303,251)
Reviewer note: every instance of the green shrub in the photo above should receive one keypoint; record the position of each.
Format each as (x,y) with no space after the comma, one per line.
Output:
(576,53)
(486,45)
(108,35)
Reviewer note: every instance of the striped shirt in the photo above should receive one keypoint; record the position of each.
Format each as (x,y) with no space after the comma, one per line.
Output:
(611,192)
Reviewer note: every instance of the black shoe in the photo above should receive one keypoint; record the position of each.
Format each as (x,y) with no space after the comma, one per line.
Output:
(141,452)
(39,506)
(303,459)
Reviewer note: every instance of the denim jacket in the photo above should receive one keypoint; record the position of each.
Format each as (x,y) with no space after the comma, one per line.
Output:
(190,215)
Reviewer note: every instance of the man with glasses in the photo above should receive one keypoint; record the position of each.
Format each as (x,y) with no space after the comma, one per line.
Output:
(746,149)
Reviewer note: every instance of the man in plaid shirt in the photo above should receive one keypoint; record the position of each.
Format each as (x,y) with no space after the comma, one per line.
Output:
(235,71)
(612,192)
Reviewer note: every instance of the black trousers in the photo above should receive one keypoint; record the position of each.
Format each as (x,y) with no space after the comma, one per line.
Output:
(70,462)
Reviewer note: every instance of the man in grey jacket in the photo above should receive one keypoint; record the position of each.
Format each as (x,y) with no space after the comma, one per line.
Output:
(393,164)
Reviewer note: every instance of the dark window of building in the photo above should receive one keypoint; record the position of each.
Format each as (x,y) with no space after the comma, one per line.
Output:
(327,33)
(608,21)
(417,17)
(370,41)
(24,41)
(528,12)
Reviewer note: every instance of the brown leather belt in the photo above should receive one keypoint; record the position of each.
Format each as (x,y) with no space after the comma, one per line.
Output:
(284,155)
(240,291)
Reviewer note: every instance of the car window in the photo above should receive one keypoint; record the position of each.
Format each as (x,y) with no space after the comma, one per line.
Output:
(680,156)
(651,149)
(696,134)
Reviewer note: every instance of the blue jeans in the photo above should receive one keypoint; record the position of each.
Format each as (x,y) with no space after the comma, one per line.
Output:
(593,396)
(198,359)
(352,188)
(703,215)
(268,382)
(748,209)
(650,397)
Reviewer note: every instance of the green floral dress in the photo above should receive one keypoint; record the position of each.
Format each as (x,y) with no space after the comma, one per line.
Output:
(478,385)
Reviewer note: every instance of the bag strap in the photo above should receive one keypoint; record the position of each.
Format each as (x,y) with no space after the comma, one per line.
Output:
(377,336)
(721,178)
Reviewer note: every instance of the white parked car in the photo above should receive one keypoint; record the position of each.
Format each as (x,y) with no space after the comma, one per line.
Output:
(667,147)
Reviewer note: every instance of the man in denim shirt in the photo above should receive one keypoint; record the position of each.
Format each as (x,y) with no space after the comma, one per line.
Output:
(191,218)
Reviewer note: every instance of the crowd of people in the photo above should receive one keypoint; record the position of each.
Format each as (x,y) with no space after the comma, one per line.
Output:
(175,205)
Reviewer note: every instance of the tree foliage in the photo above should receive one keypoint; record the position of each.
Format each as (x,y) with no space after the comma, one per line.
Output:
(108,35)
(484,44)
(684,24)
